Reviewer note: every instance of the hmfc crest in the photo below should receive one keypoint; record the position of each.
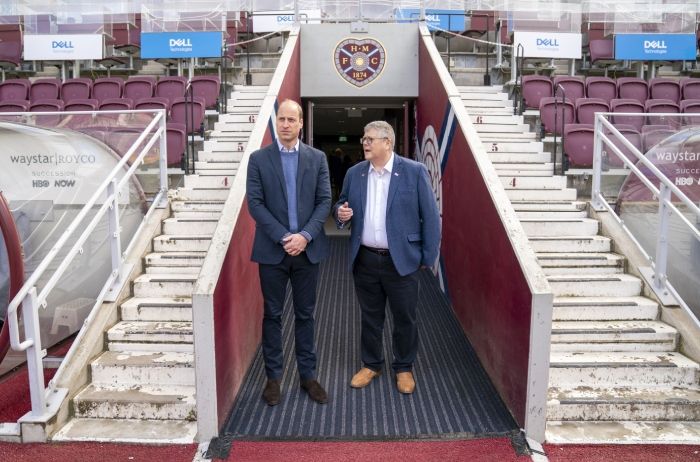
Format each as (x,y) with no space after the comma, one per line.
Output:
(359,62)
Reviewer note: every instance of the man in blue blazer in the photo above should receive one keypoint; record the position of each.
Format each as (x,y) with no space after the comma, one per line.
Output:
(395,233)
(289,197)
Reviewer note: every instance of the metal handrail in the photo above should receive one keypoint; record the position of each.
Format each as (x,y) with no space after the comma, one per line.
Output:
(27,296)
(663,192)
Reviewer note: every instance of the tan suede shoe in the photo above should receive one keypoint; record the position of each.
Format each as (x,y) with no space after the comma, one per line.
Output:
(363,377)
(405,383)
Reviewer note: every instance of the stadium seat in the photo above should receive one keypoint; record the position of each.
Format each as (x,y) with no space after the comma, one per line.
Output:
(208,88)
(632,135)
(534,88)
(14,106)
(690,88)
(116,104)
(601,87)
(154,102)
(578,145)
(177,141)
(665,88)
(139,87)
(107,88)
(193,118)
(82,105)
(653,134)
(170,88)
(10,45)
(573,87)
(587,107)
(78,88)
(628,106)
(14,90)
(45,89)
(632,88)
(47,105)
(565,114)
(662,106)
(602,52)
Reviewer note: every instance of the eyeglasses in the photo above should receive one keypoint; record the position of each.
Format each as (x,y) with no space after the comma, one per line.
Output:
(370,140)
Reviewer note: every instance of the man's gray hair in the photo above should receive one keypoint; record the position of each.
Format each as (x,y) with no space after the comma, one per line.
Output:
(383,129)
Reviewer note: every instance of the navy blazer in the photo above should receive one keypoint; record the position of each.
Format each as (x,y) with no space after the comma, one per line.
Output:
(412,217)
(267,202)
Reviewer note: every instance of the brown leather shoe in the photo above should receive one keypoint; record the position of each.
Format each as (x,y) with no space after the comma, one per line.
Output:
(405,382)
(315,391)
(363,377)
(271,393)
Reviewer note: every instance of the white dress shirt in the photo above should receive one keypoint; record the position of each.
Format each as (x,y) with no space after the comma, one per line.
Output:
(374,229)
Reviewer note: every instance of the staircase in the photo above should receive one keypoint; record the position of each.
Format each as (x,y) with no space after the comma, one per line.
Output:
(615,371)
(142,388)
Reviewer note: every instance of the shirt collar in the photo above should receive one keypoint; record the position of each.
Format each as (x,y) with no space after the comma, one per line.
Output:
(283,149)
(389,165)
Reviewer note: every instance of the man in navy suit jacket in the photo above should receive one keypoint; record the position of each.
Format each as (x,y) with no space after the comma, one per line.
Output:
(395,233)
(289,197)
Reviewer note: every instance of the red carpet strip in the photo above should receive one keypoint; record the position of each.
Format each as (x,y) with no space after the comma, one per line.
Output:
(481,450)
(92,452)
(623,453)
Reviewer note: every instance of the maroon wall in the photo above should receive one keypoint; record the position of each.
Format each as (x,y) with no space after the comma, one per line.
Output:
(485,283)
(238,304)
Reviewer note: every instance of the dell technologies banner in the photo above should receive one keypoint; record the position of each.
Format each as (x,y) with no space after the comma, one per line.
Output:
(63,47)
(452,20)
(549,44)
(651,47)
(181,44)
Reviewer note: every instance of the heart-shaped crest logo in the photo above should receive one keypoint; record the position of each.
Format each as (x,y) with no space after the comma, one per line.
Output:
(359,62)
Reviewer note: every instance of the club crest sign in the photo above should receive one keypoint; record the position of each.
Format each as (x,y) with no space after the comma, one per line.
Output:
(359,62)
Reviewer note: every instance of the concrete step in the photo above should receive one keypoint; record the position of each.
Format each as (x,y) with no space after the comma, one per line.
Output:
(544,227)
(136,431)
(534,169)
(595,285)
(221,136)
(175,259)
(179,243)
(568,194)
(137,402)
(613,336)
(622,432)
(189,226)
(634,369)
(196,206)
(220,156)
(490,111)
(237,118)
(624,403)
(581,263)
(480,89)
(489,138)
(151,336)
(546,214)
(533,182)
(483,104)
(236,107)
(115,368)
(195,194)
(604,308)
(207,180)
(501,128)
(571,244)
(225,145)
(481,96)
(200,166)
(497,119)
(157,309)
(527,146)
(520,157)
(548,206)
(164,285)
(158,269)
(234,127)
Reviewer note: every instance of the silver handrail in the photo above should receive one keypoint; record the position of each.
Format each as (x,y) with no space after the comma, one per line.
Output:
(27,296)
(660,283)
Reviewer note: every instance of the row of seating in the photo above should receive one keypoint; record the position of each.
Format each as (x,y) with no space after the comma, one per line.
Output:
(583,111)
(536,87)
(179,111)
(578,143)
(135,88)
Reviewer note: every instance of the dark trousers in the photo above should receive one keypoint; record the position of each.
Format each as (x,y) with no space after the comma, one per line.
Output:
(273,282)
(377,280)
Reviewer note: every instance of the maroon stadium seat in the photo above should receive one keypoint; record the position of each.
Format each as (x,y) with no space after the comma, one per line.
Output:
(573,87)
(10,45)
(116,104)
(662,106)
(632,88)
(578,145)
(534,88)
(82,105)
(14,106)
(565,114)
(665,88)
(45,89)
(14,90)
(587,107)
(628,106)
(601,87)
(177,140)
(177,114)
(107,88)
(632,135)
(79,88)
(138,88)
(207,87)
(690,88)
(171,88)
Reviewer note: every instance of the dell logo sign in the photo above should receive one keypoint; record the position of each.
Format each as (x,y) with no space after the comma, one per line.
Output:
(655,44)
(180,43)
(61,44)
(547,42)
(286,18)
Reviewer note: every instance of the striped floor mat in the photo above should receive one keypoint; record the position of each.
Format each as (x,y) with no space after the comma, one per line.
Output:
(453,399)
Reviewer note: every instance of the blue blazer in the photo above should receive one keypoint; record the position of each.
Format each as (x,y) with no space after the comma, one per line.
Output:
(412,217)
(267,202)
